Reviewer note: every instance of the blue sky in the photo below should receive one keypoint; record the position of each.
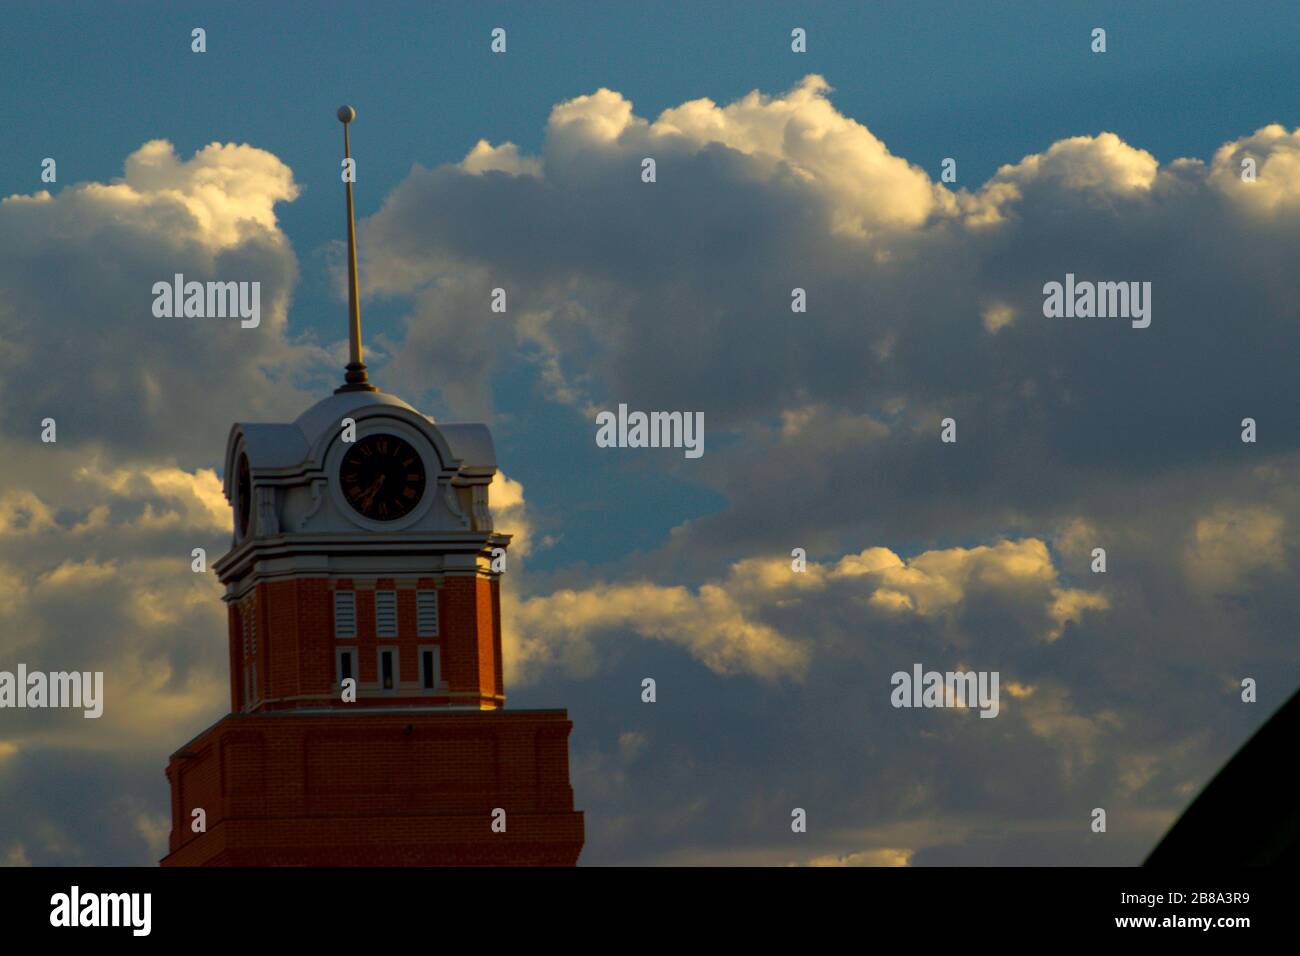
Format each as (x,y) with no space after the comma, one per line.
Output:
(818,429)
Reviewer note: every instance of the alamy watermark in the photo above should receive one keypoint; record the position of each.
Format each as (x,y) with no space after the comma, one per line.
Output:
(58,689)
(951,689)
(651,430)
(74,908)
(1102,300)
(208,300)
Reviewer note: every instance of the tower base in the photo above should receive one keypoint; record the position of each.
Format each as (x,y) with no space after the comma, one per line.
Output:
(376,788)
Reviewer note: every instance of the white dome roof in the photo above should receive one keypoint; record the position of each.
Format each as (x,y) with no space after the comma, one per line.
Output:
(284,445)
(328,412)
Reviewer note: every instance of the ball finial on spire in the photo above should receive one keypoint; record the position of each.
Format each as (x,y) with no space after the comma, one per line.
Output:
(347,114)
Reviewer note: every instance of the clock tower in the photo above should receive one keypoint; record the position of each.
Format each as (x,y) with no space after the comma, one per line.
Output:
(367,722)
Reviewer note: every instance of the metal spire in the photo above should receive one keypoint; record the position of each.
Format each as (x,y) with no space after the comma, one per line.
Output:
(355,379)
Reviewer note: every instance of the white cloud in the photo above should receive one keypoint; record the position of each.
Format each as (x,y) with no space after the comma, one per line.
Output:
(935,583)
(83,346)
(1099,164)
(101,580)
(1229,544)
(921,296)
(485,157)
(801,135)
(722,624)
(708,623)
(189,500)
(510,513)
(1275,191)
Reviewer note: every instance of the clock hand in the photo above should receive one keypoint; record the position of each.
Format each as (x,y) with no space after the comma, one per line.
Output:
(372,491)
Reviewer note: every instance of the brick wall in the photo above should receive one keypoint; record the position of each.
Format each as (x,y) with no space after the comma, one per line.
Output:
(296,646)
(377,789)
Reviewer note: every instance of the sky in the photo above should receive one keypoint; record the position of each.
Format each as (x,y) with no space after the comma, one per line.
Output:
(774,170)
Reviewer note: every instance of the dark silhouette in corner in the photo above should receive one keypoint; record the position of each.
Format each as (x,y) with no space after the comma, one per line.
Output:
(1248,815)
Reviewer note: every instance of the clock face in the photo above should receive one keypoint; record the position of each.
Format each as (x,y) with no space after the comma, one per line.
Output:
(243,491)
(382,477)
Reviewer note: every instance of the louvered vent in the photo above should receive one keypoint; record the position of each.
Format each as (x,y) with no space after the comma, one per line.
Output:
(386,613)
(345,614)
(426,613)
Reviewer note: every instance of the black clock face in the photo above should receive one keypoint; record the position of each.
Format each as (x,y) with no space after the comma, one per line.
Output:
(243,490)
(382,477)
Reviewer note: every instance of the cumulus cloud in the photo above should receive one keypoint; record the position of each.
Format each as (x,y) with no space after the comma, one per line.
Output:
(925,302)
(229,190)
(189,500)
(722,624)
(510,513)
(486,158)
(799,135)
(708,622)
(97,528)
(1101,165)
(936,582)
(105,583)
(82,344)
(1275,191)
